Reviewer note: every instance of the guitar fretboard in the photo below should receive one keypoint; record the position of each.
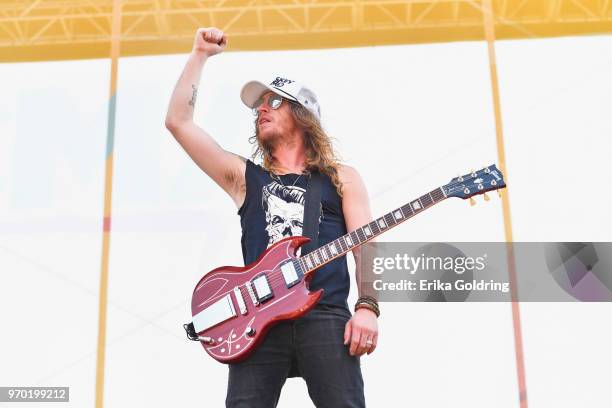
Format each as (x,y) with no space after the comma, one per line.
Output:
(365,233)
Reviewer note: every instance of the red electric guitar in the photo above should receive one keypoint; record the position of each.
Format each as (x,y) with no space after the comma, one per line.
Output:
(233,307)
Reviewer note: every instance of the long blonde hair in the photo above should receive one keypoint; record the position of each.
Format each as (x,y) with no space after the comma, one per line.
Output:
(320,153)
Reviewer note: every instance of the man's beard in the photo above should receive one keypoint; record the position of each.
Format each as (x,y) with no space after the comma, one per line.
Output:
(272,140)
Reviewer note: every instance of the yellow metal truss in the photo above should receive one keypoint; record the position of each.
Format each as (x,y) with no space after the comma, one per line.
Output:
(63,29)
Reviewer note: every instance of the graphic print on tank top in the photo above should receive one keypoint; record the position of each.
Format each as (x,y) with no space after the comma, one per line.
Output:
(284,210)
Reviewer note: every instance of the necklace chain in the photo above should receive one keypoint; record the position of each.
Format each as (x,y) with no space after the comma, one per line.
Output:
(277,178)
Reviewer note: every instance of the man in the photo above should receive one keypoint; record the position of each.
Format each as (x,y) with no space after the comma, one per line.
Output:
(323,346)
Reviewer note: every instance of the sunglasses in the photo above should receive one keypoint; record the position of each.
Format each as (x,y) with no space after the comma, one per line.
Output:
(274,101)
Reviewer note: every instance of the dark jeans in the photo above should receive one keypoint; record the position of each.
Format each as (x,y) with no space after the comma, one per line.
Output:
(313,343)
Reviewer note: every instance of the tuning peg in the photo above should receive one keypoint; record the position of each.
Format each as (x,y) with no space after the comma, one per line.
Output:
(473,173)
(472,201)
(486,197)
(499,193)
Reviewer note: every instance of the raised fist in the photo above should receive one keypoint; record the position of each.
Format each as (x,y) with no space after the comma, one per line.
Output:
(209,41)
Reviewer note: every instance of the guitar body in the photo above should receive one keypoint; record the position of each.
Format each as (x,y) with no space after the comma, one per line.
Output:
(243,328)
(234,307)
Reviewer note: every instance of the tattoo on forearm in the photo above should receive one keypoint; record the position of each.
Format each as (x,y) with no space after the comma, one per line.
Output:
(194,95)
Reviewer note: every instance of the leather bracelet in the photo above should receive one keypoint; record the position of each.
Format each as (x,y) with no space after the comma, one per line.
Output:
(364,305)
(368,297)
(368,302)
(372,305)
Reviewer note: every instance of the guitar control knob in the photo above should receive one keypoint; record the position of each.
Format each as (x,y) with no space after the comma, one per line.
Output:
(249,331)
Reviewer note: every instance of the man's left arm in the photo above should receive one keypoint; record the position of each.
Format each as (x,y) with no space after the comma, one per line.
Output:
(363,326)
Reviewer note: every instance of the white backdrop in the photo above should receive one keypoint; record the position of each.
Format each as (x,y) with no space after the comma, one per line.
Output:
(407,117)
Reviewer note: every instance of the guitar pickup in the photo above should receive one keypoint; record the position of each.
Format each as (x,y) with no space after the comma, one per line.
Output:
(290,273)
(262,288)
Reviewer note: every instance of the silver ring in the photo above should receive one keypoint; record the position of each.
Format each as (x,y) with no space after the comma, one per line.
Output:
(369,342)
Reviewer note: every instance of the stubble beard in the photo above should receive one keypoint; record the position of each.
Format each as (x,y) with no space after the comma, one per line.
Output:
(272,140)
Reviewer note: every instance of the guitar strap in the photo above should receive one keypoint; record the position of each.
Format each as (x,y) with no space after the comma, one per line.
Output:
(312,211)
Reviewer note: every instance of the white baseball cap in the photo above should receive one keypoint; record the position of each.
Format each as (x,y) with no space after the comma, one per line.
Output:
(287,88)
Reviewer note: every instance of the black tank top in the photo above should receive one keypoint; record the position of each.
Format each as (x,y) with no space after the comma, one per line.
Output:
(272,211)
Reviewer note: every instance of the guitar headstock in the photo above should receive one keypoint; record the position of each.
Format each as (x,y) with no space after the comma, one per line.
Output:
(478,182)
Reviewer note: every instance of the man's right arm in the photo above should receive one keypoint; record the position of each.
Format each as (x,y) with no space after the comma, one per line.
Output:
(225,168)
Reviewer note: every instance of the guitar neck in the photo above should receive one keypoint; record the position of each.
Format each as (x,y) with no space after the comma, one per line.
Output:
(340,246)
